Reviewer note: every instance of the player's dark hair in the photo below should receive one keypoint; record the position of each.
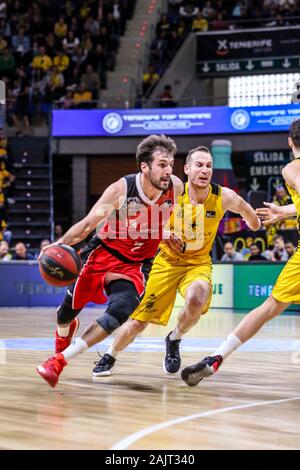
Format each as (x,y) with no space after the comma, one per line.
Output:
(201,148)
(294,132)
(144,153)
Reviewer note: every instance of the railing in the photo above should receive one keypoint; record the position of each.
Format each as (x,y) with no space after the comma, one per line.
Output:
(192,101)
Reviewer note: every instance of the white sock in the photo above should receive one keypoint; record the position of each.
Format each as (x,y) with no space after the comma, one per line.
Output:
(78,346)
(113,352)
(176,334)
(63,331)
(231,343)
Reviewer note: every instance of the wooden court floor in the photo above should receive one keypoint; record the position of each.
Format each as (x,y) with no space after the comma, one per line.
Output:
(252,403)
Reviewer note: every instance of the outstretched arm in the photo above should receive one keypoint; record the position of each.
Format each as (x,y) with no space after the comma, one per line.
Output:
(111,199)
(233,202)
(272,213)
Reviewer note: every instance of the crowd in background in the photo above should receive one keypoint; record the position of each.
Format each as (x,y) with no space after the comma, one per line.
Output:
(6,182)
(184,16)
(278,247)
(281,250)
(19,252)
(57,50)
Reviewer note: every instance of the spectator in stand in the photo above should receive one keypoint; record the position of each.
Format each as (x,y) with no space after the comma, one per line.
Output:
(279,252)
(230,254)
(45,242)
(87,43)
(208,11)
(22,101)
(7,63)
(91,26)
(60,28)
(21,46)
(281,197)
(256,253)
(188,12)
(200,23)
(66,101)
(75,79)
(91,81)
(58,232)
(55,84)
(158,49)
(219,23)
(173,41)
(42,60)
(21,253)
(163,25)
(5,234)
(61,61)
(150,78)
(71,42)
(4,251)
(83,97)
(6,178)
(166,99)
(290,248)
(97,59)
(79,57)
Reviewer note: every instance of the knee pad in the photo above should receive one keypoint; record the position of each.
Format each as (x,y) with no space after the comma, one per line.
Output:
(123,300)
(65,312)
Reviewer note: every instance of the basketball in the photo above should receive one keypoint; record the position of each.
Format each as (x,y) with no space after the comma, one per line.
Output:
(60,265)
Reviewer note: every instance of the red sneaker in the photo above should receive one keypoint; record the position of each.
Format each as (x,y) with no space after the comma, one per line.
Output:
(62,342)
(51,369)
(192,375)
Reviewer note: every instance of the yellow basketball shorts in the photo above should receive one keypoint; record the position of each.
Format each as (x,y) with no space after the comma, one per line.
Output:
(287,286)
(166,277)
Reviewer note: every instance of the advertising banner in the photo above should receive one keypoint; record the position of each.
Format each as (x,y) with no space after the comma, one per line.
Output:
(176,121)
(253,283)
(248,51)
(22,286)
(263,166)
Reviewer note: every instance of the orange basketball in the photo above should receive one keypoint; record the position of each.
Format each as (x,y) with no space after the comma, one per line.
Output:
(60,265)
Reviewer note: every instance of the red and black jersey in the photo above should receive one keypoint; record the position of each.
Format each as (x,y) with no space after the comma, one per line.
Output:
(134,232)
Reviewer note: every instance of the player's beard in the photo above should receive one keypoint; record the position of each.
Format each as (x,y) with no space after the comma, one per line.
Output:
(158,183)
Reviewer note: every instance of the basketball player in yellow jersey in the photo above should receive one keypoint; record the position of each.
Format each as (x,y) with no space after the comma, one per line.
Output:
(287,287)
(184,261)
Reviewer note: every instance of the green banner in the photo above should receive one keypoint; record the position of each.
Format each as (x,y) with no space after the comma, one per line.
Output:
(253,284)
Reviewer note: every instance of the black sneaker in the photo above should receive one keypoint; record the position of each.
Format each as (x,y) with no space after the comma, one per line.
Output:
(192,375)
(172,359)
(104,366)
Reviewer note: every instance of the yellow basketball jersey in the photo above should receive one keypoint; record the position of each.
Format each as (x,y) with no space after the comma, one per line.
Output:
(196,225)
(296,200)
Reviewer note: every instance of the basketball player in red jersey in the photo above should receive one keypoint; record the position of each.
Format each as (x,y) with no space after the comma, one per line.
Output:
(133,212)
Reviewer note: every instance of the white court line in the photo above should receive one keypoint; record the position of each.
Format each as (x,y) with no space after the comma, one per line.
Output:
(127,441)
(76,384)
